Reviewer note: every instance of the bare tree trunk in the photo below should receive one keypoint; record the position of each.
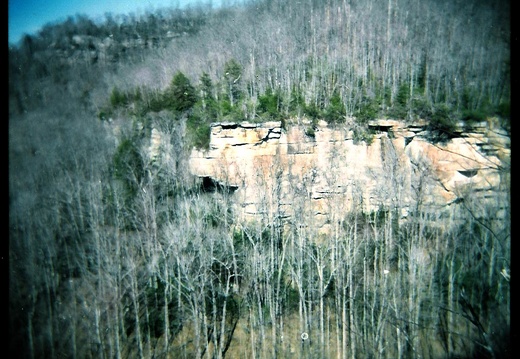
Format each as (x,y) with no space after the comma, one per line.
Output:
(352,245)
(137,321)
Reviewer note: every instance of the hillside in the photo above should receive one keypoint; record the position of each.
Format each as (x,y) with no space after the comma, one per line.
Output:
(269,179)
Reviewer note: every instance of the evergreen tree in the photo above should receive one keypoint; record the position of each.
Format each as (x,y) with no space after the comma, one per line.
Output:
(181,95)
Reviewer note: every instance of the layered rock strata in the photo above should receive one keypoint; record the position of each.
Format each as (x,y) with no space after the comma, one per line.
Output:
(285,173)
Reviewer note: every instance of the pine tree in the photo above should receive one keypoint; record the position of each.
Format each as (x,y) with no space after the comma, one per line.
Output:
(181,95)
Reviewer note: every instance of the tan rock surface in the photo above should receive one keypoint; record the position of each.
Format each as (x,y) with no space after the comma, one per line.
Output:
(330,172)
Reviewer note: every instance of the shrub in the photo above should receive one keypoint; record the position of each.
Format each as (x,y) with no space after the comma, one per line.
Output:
(504,109)
(335,112)
(202,137)
(199,132)
(158,102)
(269,104)
(105,113)
(363,134)
(400,107)
(442,125)
(310,132)
(224,106)
(421,107)
(367,111)
(474,115)
(313,112)
(398,111)
(441,118)
(296,102)
(118,98)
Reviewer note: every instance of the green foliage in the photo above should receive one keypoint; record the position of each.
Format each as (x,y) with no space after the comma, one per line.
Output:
(335,112)
(467,98)
(403,94)
(399,109)
(199,132)
(228,111)
(128,166)
(232,77)
(232,70)
(225,106)
(105,113)
(442,124)
(208,105)
(118,98)
(206,86)
(367,111)
(240,239)
(504,109)
(296,102)
(232,111)
(420,106)
(310,131)
(363,134)
(136,95)
(204,112)
(422,76)
(71,233)
(474,115)
(181,95)
(269,104)
(291,298)
(313,112)
(283,123)
(441,117)
(158,102)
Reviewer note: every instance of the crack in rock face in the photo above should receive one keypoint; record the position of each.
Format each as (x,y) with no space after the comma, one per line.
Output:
(401,166)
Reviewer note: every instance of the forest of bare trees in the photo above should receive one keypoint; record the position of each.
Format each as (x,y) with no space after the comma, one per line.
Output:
(118,253)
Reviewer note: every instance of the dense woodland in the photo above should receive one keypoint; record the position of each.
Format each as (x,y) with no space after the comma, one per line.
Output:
(114,253)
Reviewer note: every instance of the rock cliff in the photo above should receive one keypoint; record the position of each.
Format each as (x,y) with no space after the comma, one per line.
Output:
(284,173)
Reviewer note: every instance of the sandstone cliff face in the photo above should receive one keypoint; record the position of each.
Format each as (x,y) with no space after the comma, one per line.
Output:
(284,173)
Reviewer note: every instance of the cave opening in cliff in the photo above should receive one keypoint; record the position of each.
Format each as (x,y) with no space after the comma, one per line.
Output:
(209,184)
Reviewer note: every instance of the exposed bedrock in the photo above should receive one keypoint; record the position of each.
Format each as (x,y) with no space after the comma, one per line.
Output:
(285,173)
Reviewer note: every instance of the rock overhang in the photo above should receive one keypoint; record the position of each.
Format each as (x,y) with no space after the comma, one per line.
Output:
(334,171)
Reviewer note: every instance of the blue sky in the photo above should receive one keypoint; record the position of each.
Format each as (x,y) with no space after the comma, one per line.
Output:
(29,16)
